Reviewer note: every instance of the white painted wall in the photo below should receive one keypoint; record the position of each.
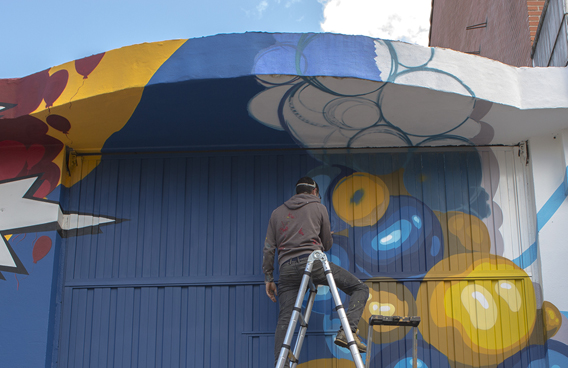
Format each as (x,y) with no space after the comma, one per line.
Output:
(548,163)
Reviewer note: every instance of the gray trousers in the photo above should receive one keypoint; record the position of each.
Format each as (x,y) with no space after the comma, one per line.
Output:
(291,273)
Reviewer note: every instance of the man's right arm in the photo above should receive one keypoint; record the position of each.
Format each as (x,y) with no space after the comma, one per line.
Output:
(268,261)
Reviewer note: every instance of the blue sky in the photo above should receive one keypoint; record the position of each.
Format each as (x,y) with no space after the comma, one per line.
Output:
(39,34)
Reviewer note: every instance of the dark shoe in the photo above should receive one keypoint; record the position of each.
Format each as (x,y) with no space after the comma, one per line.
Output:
(341,340)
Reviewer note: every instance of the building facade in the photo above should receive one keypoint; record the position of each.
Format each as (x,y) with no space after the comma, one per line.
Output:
(501,30)
(137,186)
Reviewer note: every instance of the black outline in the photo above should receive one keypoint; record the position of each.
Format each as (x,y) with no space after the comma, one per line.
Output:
(7,106)
(19,265)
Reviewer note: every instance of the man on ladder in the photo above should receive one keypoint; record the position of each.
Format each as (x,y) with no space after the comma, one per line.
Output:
(297,228)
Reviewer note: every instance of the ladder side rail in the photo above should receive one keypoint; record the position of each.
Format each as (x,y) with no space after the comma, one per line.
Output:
(415,347)
(340,310)
(369,347)
(295,316)
(304,326)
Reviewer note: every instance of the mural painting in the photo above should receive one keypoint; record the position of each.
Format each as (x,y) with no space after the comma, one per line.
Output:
(420,215)
(440,265)
(34,169)
(425,227)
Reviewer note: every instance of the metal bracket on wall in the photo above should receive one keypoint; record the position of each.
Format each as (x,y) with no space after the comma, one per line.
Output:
(477,26)
(71,160)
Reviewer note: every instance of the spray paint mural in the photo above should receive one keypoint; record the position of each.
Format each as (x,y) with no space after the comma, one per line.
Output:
(431,224)
(435,232)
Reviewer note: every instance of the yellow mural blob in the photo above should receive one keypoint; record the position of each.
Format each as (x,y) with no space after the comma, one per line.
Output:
(101,104)
(387,298)
(469,230)
(508,292)
(478,303)
(385,309)
(360,199)
(483,309)
(552,319)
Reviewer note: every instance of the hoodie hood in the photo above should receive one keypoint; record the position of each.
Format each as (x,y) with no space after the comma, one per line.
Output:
(300,200)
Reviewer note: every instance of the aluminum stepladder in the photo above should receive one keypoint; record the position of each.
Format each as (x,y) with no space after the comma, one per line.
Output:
(380,320)
(285,352)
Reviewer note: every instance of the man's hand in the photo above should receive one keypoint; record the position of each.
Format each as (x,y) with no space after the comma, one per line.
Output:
(271,291)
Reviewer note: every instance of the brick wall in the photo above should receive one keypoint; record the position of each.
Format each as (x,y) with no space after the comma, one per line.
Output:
(497,29)
(535,10)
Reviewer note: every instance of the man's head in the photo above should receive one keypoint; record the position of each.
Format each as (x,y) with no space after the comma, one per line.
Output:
(307,185)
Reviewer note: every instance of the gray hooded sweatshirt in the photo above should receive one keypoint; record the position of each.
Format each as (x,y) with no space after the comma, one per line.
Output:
(299,226)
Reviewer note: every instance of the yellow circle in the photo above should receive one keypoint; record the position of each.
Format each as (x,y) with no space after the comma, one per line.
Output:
(360,199)
(488,305)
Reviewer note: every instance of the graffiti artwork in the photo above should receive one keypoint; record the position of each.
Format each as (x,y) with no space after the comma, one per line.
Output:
(152,168)
(430,229)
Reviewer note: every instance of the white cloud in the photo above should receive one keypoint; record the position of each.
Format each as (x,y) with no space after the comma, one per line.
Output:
(406,20)
(261,7)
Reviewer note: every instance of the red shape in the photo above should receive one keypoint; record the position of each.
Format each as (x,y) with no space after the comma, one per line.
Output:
(85,66)
(55,86)
(59,122)
(26,93)
(41,247)
(44,189)
(34,155)
(12,159)
(25,140)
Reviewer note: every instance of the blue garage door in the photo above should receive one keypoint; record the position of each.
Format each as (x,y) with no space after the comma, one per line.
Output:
(177,280)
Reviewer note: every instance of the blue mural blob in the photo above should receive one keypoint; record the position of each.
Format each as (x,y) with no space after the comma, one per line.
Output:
(301,54)
(357,196)
(393,237)
(408,235)
(460,173)
(407,363)
(417,221)
(436,246)
(399,354)
(557,354)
